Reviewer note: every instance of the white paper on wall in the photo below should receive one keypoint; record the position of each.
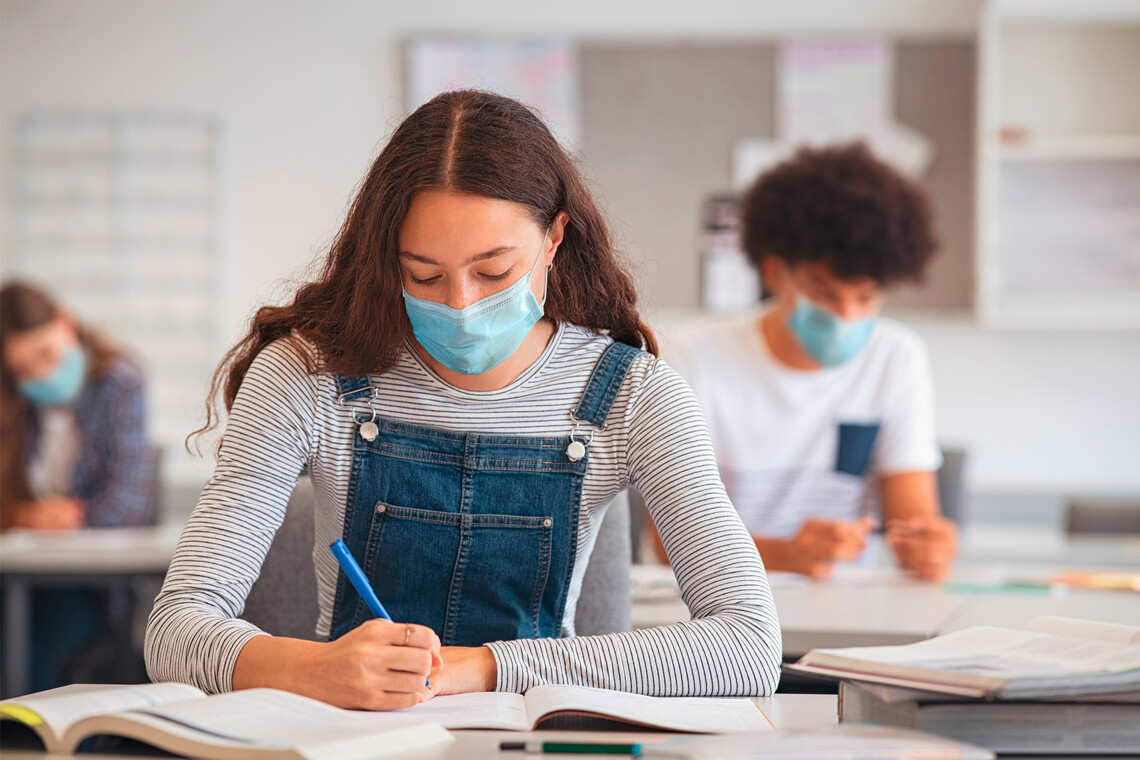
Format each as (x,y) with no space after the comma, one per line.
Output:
(829,92)
(541,72)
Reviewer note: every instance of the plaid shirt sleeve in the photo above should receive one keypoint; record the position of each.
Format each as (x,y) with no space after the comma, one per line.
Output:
(117,474)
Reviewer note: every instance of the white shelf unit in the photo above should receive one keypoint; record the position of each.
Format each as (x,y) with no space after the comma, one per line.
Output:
(118,215)
(1058,165)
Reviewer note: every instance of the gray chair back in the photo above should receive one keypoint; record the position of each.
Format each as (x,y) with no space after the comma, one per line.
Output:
(1103,516)
(283,601)
(604,604)
(155,506)
(950,484)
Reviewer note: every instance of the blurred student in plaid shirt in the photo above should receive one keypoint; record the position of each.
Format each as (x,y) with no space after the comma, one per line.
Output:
(73,450)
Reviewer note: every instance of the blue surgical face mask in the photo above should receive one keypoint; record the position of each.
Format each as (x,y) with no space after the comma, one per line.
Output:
(825,337)
(481,335)
(62,384)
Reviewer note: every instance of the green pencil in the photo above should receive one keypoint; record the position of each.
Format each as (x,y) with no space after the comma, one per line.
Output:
(578,748)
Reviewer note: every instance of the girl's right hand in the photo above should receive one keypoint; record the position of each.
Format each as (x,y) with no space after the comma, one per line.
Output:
(372,668)
(379,666)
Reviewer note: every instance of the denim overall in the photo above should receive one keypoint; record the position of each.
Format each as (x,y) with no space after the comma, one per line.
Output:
(472,535)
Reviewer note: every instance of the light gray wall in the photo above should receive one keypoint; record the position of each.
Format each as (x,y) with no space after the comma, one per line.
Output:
(660,121)
(308,91)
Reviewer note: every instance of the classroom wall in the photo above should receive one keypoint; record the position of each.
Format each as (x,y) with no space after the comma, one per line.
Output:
(660,120)
(308,90)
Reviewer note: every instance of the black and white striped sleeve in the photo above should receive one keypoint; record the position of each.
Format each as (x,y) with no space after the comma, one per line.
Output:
(194,635)
(732,644)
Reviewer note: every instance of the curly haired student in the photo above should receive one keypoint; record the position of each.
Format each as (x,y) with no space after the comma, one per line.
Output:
(469,384)
(819,407)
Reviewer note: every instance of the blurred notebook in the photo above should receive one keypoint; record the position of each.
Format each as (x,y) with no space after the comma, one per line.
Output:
(1052,657)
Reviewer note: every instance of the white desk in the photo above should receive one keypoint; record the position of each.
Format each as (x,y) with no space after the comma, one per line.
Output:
(87,552)
(869,606)
(784,711)
(859,606)
(91,558)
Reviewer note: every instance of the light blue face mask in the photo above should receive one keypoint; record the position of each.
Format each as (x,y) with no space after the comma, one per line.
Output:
(481,335)
(62,384)
(825,337)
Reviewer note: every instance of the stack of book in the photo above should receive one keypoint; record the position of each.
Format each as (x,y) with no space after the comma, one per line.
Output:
(1060,686)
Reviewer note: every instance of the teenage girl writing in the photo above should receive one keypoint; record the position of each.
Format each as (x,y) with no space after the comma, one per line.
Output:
(469,384)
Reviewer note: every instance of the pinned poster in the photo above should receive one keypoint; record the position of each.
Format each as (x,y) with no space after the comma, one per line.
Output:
(835,91)
(831,89)
(541,72)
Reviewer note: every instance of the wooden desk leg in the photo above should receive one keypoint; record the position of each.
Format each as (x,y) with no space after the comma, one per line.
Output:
(17,629)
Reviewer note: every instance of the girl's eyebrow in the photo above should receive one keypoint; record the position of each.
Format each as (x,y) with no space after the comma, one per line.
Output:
(477,257)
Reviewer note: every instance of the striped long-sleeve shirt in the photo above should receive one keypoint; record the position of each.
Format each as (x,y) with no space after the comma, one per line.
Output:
(285,419)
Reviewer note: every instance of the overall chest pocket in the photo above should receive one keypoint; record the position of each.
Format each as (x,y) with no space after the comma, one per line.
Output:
(473,578)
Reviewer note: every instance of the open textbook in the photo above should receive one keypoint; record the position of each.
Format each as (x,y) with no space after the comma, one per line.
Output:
(1052,657)
(271,724)
(542,704)
(253,724)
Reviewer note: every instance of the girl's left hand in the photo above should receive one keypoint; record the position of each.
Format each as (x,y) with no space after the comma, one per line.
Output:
(464,670)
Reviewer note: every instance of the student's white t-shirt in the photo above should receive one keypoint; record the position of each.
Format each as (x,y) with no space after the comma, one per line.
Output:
(793,444)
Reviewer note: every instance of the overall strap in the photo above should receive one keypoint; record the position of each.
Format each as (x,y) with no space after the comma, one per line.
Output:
(604,383)
(351,388)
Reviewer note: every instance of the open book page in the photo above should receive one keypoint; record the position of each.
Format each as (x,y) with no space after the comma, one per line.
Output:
(996,652)
(480,710)
(689,714)
(59,708)
(1085,629)
(266,718)
(271,717)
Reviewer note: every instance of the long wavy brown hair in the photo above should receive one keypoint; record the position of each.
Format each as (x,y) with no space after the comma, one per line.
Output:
(24,308)
(464,141)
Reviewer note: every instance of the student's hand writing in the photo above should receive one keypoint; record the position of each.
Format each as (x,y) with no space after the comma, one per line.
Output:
(925,546)
(819,543)
(371,668)
(51,513)
(469,669)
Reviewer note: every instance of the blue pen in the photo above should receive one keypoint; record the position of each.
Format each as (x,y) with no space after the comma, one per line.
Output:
(357,579)
(359,582)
